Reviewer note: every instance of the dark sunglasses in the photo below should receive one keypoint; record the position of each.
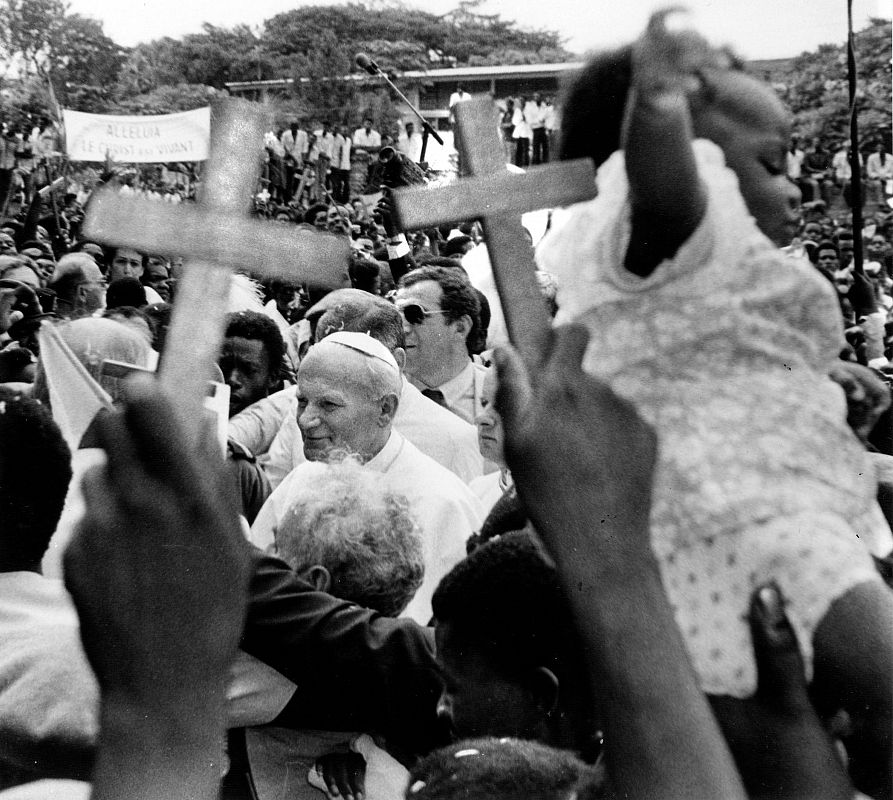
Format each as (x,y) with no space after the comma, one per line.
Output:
(416,314)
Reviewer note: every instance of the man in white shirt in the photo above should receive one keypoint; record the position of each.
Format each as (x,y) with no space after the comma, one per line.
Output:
(522,134)
(441,314)
(410,143)
(553,123)
(294,142)
(325,145)
(366,138)
(843,172)
(443,436)
(879,172)
(535,115)
(341,166)
(794,161)
(459,96)
(349,389)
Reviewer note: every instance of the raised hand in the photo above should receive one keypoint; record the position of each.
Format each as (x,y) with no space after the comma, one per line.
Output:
(867,396)
(669,56)
(159,572)
(566,430)
(344,773)
(159,567)
(776,737)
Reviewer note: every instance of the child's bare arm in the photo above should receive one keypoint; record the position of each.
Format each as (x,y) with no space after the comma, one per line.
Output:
(853,659)
(668,201)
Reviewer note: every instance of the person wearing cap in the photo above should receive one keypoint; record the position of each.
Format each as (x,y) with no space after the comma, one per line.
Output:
(271,425)
(349,390)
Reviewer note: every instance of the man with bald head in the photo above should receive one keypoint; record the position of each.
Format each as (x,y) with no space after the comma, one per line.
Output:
(348,395)
(79,286)
(437,432)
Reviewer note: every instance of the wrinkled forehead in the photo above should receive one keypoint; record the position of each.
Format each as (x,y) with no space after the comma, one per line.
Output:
(332,363)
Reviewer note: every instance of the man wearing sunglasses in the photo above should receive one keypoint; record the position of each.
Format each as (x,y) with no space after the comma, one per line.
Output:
(441,314)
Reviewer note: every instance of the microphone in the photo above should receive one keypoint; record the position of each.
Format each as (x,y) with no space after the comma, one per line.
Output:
(364,62)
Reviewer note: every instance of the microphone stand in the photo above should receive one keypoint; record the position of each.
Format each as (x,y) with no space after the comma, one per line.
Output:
(426,126)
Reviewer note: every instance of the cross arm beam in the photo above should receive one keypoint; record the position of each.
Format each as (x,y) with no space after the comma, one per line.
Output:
(264,248)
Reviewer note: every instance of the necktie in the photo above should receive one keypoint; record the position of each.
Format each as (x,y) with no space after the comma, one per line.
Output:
(436,395)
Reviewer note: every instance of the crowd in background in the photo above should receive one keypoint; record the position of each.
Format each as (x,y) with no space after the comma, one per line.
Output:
(398,480)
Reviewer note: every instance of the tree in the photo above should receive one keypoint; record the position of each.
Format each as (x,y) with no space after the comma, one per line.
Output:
(817,92)
(166,100)
(40,38)
(474,38)
(320,82)
(31,33)
(214,57)
(454,38)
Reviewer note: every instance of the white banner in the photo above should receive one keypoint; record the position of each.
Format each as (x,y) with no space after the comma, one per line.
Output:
(153,139)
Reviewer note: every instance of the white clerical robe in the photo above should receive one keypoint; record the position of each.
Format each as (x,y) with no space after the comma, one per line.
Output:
(437,432)
(49,696)
(48,692)
(445,509)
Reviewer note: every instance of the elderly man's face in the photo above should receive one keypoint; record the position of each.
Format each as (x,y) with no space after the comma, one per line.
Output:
(91,292)
(337,408)
(7,244)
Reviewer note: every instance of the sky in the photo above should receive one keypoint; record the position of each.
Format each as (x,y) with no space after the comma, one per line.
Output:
(755,28)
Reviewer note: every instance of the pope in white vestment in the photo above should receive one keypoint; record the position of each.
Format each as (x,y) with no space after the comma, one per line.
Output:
(438,433)
(342,409)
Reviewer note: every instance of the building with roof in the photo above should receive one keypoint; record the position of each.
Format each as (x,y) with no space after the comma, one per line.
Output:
(430,90)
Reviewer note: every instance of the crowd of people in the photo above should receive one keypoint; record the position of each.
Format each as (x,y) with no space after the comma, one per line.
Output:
(653,562)
(825,177)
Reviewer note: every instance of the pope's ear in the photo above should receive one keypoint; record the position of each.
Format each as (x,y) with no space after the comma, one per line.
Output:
(388,409)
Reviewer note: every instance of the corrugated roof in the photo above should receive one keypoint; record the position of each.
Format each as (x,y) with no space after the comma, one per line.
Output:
(444,74)
(493,71)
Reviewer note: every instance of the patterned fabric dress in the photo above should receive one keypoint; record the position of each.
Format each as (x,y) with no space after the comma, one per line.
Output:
(725,350)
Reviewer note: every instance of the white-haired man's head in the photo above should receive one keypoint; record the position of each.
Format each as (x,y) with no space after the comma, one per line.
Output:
(348,390)
(350,535)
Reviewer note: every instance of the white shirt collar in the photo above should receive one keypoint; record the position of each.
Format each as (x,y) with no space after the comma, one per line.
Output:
(384,459)
(460,387)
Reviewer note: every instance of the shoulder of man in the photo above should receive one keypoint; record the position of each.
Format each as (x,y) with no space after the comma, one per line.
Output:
(446,485)
(239,452)
(435,415)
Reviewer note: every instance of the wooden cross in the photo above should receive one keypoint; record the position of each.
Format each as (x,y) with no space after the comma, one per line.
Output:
(498,197)
(216,235)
